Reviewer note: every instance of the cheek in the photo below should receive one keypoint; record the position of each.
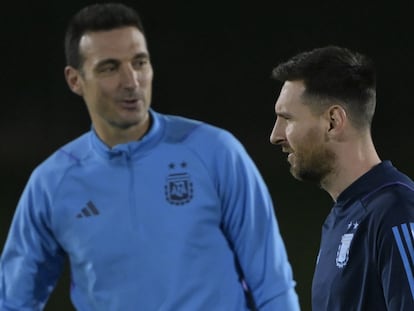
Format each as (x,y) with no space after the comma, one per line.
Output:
(145,84)
(146,79)
(108,83)
(292,132)
(297,136)
(97,95)
(105,89)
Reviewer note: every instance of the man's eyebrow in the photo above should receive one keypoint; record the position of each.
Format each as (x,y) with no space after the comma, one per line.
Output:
(283,114)
(115,62)
(141,55)
(108,61)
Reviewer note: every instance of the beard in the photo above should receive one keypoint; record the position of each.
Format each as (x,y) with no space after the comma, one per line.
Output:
(313,162)
(314,166)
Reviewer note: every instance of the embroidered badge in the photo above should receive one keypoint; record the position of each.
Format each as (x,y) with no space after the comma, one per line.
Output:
(178,187)
(342,255)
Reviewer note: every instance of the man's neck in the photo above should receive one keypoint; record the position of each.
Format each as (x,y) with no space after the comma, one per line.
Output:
(354,160)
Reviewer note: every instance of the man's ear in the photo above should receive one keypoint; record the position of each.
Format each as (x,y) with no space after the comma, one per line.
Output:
(337,118)
(74,80)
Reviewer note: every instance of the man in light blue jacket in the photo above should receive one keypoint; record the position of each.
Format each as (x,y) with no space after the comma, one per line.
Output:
(153,211)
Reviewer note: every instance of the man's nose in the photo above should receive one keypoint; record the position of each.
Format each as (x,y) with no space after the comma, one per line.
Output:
(129,77)
(277,135)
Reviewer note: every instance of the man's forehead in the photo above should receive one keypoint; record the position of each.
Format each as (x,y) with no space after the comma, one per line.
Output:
(291,92)
(119,39)
(118,44)
(293,88)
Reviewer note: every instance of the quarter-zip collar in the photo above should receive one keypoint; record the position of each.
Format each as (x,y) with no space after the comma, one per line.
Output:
(133,148)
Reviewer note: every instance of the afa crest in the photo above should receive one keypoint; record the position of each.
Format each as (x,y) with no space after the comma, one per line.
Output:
(178,189)
(342,255)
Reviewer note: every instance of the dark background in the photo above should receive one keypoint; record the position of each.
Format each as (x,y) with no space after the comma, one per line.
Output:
(212,61)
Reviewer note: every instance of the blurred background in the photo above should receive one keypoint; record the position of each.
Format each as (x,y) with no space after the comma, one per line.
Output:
(212,61)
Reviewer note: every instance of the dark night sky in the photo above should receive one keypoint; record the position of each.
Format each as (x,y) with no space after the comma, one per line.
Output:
(212,62)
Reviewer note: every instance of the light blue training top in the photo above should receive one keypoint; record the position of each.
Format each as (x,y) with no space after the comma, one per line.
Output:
(171,222)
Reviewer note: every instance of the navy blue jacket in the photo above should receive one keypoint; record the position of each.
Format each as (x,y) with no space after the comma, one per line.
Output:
(366,258)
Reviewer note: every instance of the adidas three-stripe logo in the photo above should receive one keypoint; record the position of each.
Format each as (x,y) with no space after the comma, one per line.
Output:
(89,210)
(404,237)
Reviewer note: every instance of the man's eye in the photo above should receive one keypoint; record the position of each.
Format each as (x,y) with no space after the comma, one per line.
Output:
(140,63)
(107,69)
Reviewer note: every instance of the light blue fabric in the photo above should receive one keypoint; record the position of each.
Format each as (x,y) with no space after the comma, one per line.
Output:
(156,224)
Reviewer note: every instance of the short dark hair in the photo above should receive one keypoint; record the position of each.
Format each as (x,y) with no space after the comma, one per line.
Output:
(96,17)
(334,73)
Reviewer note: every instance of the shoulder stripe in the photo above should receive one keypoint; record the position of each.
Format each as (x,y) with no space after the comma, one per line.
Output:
(408,240)
(406,243)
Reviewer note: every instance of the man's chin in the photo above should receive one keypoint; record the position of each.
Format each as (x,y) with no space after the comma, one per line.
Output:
(132,121)
(126,124)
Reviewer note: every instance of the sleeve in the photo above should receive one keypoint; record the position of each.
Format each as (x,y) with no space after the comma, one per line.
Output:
(395,255)
(251,227)
(32,260)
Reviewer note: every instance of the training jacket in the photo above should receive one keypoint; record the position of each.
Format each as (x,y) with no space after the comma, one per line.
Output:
(171,222)
(366,259)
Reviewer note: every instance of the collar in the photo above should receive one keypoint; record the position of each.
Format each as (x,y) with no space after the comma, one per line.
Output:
(375,178)
(132,148)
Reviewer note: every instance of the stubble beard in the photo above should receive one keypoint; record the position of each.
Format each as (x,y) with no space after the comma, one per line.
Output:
(142,112)
(313,165)
(125,123)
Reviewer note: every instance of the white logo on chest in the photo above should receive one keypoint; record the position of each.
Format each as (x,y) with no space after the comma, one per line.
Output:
(342,254)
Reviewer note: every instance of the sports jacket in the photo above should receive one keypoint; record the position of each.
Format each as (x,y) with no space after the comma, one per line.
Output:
(366,259)
(171,222)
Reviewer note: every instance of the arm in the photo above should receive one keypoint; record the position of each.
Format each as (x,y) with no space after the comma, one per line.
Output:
(395,252)
(32,260)
(250,225)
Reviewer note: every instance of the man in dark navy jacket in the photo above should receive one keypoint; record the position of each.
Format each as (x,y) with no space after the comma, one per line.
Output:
(324,115)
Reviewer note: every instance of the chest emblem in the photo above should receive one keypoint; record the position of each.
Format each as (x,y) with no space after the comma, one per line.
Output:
(342,254)
(178,186)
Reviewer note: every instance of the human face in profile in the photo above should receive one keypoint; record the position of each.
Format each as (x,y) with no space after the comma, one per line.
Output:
(301,133)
